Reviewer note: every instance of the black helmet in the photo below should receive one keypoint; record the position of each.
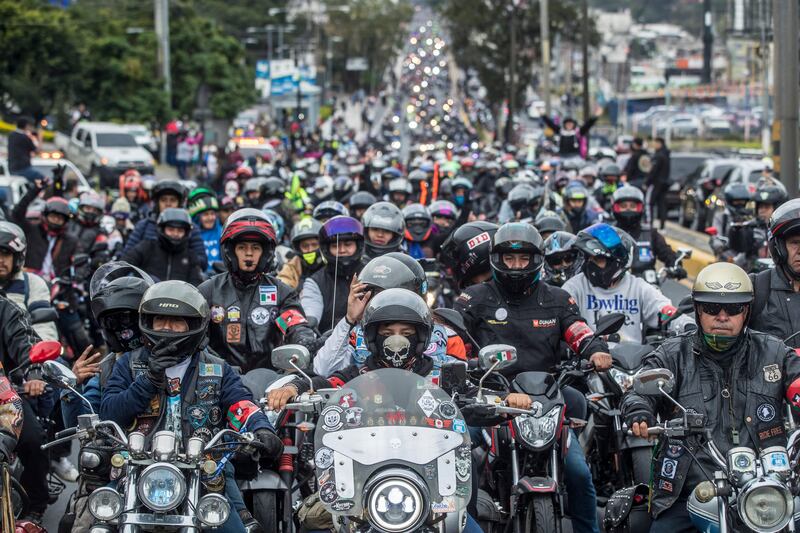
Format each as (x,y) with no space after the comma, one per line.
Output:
(385,216)
(394,270)
(607,241)
(248,225)
(175,299)
(168,187)
(628,220)
(342,228)
(466,250)
(397,305)
(785,222)
(558,248)
(517,237)
(115,304)
(549,222)
(13,240)
(307,228)
(419,222)
(342,186)
(176,218)
(329,209)
(362,200)
(737,197)
(770,191)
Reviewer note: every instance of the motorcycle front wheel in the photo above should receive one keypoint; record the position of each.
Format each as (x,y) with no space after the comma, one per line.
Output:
(540,516)
(265,509)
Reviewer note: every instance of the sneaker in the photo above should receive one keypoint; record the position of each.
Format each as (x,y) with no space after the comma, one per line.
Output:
(64,469)
(251,525)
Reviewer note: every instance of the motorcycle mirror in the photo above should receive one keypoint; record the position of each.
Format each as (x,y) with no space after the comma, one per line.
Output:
(291,357)
(99,247)
(45,351)
(654,382)
(80,260)
(43,315)
(711,231)
(497,357)
(686,305)
(608,324)
(59,375)
(453,374)
(687,252)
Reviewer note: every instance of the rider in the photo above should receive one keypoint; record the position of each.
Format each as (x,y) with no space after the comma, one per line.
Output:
(776,289)
(26,289)
(576,206)
(251,310)
(420,231)
(609,174)
(360,202)
(562,260)
(305,257)
(168,257)
(737,377)
(166,194)
(153,388)
(384,227)
(86,226)
(607,286)
(628,211)
(204,210)
(516,308)
(466,253)
(324,295)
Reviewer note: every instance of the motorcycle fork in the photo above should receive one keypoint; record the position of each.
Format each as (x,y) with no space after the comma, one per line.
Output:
(514,498)
(286,470)
(192,497)
(131,478)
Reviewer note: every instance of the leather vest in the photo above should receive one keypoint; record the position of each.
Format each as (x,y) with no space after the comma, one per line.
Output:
(325,281)
(201,412)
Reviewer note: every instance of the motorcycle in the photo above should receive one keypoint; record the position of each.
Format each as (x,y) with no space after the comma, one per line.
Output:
(665,272)
(749,489)
(391,451)
(157,488)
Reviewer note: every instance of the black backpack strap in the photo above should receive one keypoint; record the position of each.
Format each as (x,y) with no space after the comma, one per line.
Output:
(762,283)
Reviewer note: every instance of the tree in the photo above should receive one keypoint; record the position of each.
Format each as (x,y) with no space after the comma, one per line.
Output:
(39,63)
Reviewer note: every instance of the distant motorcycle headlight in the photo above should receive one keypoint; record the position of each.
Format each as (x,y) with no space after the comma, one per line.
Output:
(537,432)
(105,504)
(213,510)
(396,503)
(161,487)
(765,505)
(623,379)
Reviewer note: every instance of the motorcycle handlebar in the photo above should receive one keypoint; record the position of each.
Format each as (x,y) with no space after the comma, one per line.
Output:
(66,432)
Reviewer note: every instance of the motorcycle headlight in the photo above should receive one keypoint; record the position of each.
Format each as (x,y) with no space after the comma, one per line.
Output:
(161,487)
(623,379)
(396,503)
(213,510)
(105,504)
(538,431)
(765,505)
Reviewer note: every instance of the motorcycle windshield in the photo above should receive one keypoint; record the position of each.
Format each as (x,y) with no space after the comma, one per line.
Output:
(392,424)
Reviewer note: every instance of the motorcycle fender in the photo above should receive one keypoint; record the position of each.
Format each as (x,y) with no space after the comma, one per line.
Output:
(265,480)
(537,485)
(631,442)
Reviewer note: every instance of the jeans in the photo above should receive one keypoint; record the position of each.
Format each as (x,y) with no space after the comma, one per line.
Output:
(30,173)
(232,492)
(582,497)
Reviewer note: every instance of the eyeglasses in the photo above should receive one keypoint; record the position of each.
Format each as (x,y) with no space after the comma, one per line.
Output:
(715,308)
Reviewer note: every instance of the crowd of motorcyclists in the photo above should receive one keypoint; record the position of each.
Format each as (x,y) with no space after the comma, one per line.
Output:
(169,297)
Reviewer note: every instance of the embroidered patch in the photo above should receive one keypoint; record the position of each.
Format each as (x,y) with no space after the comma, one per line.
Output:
(765,412)
(268,295)
(772,373)
(668,468)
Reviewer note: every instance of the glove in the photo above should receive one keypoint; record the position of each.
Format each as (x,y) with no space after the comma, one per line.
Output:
(677,272)
(163,355)
(640,416)
(272,444)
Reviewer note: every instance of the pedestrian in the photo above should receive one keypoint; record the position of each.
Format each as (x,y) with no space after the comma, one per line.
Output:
(22,143)
(638,164)
(657,182)
(183,155)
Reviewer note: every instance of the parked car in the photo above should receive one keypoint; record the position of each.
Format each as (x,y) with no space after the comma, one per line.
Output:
(13,187)
(679,126)
(698,195)
(683,167)
(144,137)
(46,164)
(103,150)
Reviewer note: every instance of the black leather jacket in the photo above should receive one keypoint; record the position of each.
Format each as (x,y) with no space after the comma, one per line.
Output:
(779,302)
(743,405)
(248,322)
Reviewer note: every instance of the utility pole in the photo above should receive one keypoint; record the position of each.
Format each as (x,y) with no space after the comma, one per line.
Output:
(162,36)
(764,56)
(544,30)
(512,73)
(787,80)
(708,41)
(585,44)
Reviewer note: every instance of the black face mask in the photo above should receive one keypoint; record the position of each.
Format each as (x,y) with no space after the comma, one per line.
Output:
(628,220)
(396,351)
(601,277)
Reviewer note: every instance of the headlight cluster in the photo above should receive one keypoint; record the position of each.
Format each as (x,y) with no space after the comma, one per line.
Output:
(396,504)
(765,505)
(161,487)
(105,504)
(537,432)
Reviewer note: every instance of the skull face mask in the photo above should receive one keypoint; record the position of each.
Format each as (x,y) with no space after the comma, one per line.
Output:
(396,350)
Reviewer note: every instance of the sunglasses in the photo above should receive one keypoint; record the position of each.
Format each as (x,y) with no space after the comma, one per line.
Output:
(555,261)
(715,308)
